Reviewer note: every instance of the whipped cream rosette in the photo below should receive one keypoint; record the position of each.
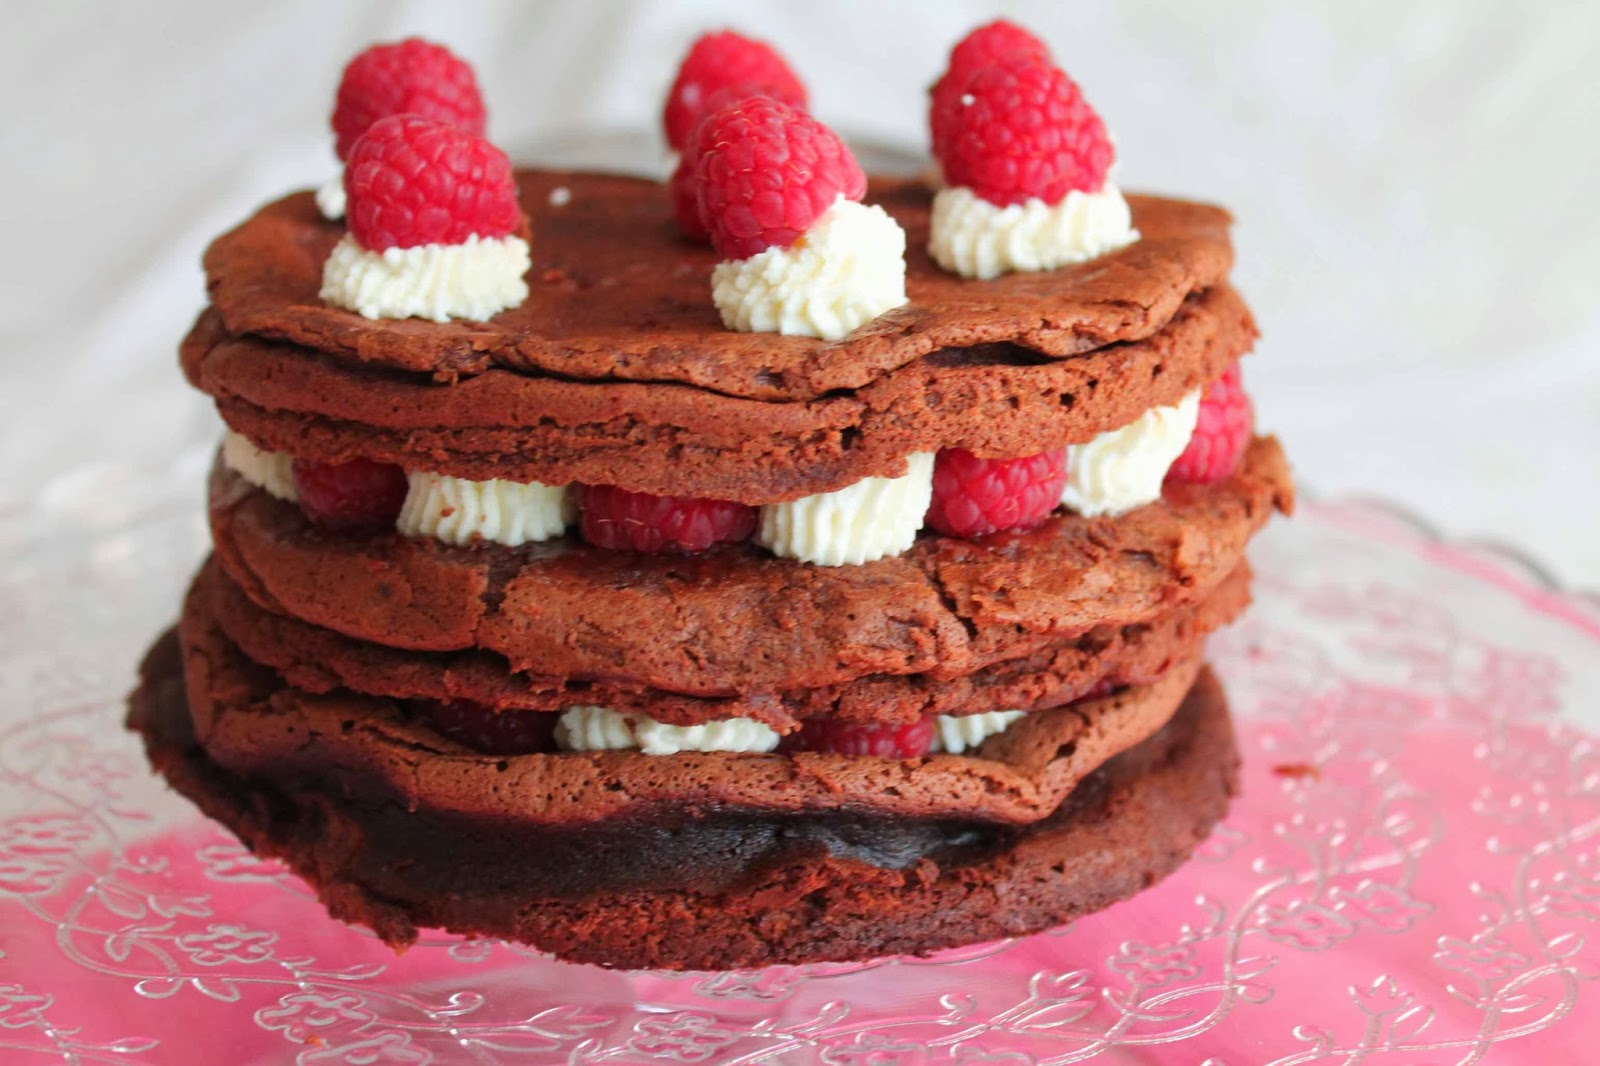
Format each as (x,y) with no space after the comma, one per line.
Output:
(435,228)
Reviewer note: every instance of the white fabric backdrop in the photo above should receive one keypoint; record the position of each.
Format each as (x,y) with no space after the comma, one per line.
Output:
(1415,186)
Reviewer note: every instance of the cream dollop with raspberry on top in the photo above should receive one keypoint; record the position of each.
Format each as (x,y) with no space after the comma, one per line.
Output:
(846,270)
(779,194)
(433,223)
(412,76)
(1026,165)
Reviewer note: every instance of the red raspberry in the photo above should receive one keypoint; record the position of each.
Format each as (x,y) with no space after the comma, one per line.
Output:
(407,77)
(1220,434)
(413,181)
(908,741)
(482,728)
(360,496)
(637,521)
(685,191)
(684,183)
(1021,129)
(766,173)
(971,54)
(973,496)
(717,61)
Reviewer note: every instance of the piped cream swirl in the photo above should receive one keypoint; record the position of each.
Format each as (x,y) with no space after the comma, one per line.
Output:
(474,280)
(601,729)
(1124,468)
(873,518)
(971,237)
(272,472)
(458,511)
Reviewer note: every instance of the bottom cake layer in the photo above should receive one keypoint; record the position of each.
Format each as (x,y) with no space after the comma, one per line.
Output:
(744,890)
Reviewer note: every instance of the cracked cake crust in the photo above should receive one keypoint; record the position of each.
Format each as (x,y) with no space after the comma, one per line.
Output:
(736,619)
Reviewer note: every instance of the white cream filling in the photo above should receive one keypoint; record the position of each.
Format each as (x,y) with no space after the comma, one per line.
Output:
(600,729)
(587,728)
(873,518)
(1123,468)
(958,733)
(474,280)
(848,268)
(273,472)
(458,511)
(976,239)
(330,198)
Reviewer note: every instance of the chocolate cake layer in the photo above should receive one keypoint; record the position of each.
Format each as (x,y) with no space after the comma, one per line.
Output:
(617,295)
(995,400)
(252,723)
(1036,672)
(735,619)
(710,887)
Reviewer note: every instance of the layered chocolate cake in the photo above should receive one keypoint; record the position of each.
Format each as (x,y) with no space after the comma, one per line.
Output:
(769,565)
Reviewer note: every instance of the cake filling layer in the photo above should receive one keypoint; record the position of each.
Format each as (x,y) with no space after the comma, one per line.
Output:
(1023,672)
(869,519)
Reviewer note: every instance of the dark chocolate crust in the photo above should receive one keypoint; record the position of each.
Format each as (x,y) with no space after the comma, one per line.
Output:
(994,400)
(250,722)
(617,296)
(713,889)
(736,620)
(1035,672)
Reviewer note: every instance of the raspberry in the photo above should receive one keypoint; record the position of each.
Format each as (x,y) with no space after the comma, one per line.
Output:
(685,191)
(1021,129)
(910,740)
(971,54)
(413,181)
(482,728)
(684,183)
(973,496)
(1220,433)
(360,496)
(637,521)
(720,60)
(408,77)
(766,172)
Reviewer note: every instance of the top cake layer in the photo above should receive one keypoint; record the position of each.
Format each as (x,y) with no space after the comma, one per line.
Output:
(617,295)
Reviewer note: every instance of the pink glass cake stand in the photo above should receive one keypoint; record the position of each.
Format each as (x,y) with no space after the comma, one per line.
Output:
(1411,876)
